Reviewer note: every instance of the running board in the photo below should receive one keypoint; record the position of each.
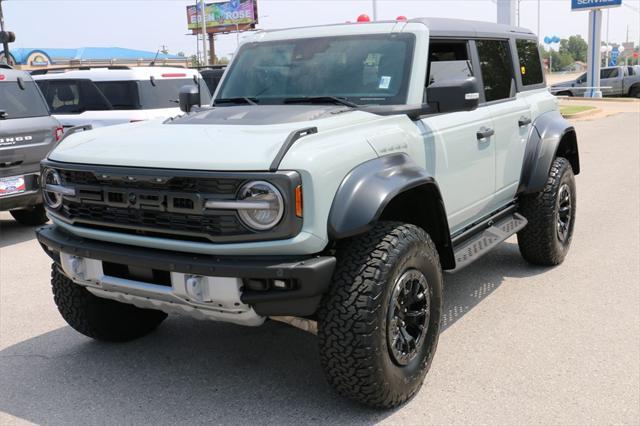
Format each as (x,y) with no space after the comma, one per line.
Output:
(478,245)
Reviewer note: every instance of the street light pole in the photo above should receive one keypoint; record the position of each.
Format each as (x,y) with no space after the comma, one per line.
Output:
(375,9)
(204,34)
(538,33)
(5,43)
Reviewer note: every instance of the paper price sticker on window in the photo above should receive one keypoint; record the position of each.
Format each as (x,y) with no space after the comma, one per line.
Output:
(385,82)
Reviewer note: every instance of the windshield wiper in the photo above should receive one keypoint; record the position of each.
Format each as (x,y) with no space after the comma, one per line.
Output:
(321,100)
(240,100)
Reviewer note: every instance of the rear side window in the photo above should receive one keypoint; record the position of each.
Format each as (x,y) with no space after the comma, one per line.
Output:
(122,95)
(68,96)
(21,103)
(448,60)
(164,93)
(497,69)
(609,73)
(530,66)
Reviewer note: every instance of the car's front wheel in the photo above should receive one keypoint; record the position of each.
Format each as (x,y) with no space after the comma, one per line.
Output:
(32,216)
(379,324)
(551,214)
(100,319)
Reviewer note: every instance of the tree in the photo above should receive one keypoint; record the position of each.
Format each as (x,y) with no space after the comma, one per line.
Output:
(559,59)
(576,47)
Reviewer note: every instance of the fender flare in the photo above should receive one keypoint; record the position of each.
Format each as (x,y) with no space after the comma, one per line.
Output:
(549,134)
(372,186)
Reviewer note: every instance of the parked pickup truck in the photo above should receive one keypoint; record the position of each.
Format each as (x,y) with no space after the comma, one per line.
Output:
(614,81)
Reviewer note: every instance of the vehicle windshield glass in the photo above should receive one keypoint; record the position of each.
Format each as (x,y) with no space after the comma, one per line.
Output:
(363,69)
(163,93)
(21,103)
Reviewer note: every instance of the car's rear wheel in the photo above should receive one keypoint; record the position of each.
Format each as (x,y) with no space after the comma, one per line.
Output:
(100,319)
(551,214)
(565,93)
(379,324)
(635,92)
(32,216)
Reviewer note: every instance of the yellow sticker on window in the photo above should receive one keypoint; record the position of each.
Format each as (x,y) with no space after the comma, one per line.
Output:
(523,70)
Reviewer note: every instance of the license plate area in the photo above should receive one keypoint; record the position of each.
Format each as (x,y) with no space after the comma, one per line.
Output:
(137,273)
(12,185)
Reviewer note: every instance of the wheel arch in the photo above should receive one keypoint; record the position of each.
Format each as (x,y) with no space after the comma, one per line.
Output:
(633,87)
(391,187)
(551,136)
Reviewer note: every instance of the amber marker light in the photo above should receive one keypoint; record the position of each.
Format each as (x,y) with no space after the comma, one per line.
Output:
(299,200)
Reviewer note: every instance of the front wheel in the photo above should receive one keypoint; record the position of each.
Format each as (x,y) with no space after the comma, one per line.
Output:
(100,319)
(32,216)
(379,324)
(551,214)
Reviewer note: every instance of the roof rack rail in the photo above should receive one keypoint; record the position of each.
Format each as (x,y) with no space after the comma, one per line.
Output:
(79,67)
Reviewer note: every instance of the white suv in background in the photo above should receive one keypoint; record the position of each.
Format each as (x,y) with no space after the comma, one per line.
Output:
(117,94)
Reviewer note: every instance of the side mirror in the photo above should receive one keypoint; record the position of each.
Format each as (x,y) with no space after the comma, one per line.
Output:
(454,95)
(189,96)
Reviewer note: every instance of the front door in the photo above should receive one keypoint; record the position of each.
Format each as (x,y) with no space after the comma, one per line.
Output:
(459,147)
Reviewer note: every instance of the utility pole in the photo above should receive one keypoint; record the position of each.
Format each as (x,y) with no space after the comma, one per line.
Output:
(204,34)
(5,42)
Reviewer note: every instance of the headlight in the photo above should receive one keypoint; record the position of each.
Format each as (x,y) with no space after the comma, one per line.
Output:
(269,203)
(51,178)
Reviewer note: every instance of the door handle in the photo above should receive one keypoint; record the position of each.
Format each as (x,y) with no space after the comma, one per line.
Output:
(485,133)
(524,121)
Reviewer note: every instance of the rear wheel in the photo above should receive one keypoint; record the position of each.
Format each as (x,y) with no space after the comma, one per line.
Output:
(100,319)
(379,324)
(551,214)
(565,93)
(32,216)
(635,92)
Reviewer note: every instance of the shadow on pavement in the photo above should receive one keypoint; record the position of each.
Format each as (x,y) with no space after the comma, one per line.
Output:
(11,232)
(197,372)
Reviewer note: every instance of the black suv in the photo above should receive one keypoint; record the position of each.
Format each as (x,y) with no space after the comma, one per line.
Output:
(27,134)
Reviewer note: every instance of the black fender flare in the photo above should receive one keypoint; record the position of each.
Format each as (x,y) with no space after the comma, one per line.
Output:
(551,135)
(372,186)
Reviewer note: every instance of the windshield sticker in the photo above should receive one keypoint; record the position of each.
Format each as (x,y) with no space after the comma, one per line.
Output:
(385,82)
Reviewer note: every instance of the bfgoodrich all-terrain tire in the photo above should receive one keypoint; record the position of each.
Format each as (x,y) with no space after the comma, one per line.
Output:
(33,216)
(98,318)
(378,326)
(551,214)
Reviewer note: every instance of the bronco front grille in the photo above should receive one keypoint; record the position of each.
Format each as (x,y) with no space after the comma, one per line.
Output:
(167,203)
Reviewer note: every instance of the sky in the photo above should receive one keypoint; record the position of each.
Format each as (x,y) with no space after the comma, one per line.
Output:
(149,24)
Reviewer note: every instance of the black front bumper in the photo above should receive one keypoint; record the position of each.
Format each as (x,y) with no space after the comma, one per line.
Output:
(311,274)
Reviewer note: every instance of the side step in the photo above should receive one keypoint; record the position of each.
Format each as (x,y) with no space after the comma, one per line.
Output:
(478,245)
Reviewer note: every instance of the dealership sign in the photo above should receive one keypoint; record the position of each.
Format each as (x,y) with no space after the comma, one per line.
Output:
(223,13)
(594,4)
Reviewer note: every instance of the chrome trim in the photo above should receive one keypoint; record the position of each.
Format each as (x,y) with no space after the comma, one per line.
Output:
(239,205)
(59,189)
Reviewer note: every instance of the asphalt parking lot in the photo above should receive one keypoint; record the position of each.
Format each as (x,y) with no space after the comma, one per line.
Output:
(521,344)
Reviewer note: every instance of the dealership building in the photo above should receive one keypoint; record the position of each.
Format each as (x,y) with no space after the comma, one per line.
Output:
(34,58)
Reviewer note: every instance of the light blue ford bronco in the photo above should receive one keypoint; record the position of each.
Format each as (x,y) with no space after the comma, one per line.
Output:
(338,171)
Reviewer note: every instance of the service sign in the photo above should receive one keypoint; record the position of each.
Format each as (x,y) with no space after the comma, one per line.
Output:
(223,13)
(594,4)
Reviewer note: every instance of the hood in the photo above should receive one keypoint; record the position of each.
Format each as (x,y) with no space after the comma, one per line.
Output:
(243,137)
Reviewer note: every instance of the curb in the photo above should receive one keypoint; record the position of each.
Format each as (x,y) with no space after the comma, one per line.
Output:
(582,114)
(582,99)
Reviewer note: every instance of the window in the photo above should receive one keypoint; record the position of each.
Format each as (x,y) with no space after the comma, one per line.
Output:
(497,69)
(448,60)
(582,79)
(122,95)
(609,73)
(164,93)
(21,103)
(70,96)
(365,69)
(530,66)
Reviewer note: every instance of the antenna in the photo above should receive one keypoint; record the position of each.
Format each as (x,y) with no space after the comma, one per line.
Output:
(153,63)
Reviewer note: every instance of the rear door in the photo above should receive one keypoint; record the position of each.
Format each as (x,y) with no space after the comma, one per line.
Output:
(611,81)
(27,132)
(510,113)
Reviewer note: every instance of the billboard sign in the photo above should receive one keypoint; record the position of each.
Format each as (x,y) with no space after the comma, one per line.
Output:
(225,13)
(594,4)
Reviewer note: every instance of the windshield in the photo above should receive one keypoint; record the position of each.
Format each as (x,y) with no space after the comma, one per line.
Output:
(16,102)
(371,69)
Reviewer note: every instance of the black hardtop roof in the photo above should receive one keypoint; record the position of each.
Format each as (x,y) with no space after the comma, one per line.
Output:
(445,27)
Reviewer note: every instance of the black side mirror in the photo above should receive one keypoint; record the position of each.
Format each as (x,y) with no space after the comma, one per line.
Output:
(454,95)
(3,114)
(189,97)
